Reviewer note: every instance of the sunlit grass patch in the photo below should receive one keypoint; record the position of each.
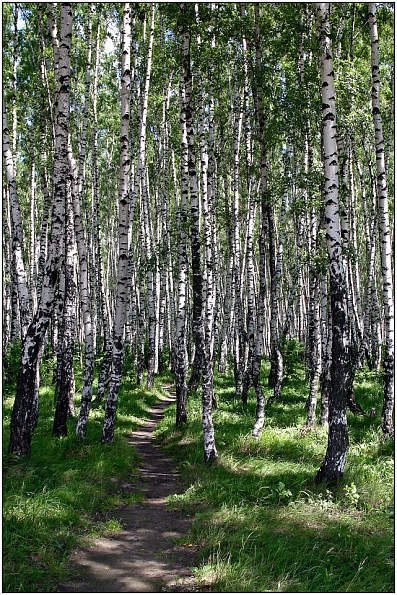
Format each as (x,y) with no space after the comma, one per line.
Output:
(261,521)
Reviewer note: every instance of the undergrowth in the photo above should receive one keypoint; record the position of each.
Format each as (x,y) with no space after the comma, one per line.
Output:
(261,521)
(63,494)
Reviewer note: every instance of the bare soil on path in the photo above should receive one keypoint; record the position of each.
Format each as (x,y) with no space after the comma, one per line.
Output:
(145,556)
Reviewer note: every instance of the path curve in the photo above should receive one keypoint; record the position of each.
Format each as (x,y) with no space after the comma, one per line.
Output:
(144,556)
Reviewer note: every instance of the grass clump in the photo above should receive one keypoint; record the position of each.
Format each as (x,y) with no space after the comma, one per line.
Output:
(63,494)
(261,521)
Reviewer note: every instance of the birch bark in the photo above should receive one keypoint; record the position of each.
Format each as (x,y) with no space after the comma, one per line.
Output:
(338,442)
(17,237)
(65,380)
(122,278)
(181,363)
(202,348)
(20,438)
(384,230)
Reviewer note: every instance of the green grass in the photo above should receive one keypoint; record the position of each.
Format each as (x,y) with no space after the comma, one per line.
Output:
(63,494)
(262,523)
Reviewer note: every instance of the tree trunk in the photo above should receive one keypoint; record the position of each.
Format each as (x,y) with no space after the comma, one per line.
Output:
(202,349)
(338,441)
(384,231)
(65,380)
(181,363)
(20,438)
(122,286)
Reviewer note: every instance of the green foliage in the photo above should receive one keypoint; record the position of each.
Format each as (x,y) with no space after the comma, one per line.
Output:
(351,495)
(11,363)
(293,353)
(262,522)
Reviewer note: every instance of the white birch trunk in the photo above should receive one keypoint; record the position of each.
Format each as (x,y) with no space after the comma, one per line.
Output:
(384,231)
(20,438)
(338,441)
(122,278)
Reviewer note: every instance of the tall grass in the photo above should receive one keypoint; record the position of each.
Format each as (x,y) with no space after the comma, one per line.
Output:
(262,522)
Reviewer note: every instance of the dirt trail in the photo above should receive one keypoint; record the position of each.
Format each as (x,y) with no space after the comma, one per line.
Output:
(144,556)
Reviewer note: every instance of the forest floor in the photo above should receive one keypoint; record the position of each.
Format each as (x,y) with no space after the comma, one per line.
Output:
(146,514)
(87,517)
(261,521)
(148,554)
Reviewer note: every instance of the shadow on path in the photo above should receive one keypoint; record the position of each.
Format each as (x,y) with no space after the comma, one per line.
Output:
(144,556)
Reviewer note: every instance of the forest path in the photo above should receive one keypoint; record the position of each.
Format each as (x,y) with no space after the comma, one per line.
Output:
(144,556)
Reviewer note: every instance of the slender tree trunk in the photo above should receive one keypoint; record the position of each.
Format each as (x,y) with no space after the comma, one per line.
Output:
(103,307)
(384,231)
(277,367)
(151,252)
(326,353)
(65,380)
(20,438)
(239,334)
(338,441)
(256,368)
(25,306)
(202,348)
(78,180)
(181,363)
(122,287)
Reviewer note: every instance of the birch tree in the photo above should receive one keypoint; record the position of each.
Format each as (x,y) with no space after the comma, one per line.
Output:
(338,441)
(20,437)
(122,288)
(384,229)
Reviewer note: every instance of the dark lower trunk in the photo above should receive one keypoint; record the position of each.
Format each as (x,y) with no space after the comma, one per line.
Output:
(351,401)
(65,391)
(325,389)
(277,377)
(35,410)
(315,373)
(333,466)
(247,382)
(150,371)
(21,420)
(141,361)
(181,398)
(353,404)
(388,399)
(271,381)
(171,361)
(60,427)
(81,426)
(161,361)
(214,401)
(112,399)
(104,377)
(195,377)
(36,400)
(71,404)
(151,354)
(180,385)
(260,399)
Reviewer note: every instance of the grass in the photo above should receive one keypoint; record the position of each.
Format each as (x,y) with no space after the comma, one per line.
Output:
(63,494)
(262,523)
